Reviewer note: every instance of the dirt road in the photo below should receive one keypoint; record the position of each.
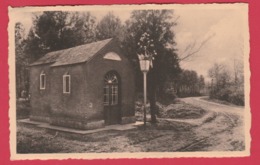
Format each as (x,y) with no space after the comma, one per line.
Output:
(212,106)
(223,131)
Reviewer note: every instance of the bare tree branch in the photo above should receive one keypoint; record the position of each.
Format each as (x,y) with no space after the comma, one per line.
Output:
(175,21)
(190,47)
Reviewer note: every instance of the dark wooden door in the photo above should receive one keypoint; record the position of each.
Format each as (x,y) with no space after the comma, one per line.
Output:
(112,106)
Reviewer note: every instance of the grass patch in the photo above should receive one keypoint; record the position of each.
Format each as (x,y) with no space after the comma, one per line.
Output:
(176,110)
(36,140)
(181,110)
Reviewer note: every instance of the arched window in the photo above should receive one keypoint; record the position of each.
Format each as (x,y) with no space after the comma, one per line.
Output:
(42,80)
(111,89)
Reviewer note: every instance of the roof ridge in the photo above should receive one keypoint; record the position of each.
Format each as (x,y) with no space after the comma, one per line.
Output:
(65,56)
(79,45)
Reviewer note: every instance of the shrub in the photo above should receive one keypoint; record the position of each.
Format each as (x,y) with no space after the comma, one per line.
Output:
(231,94)
(224,94)
(237,98)
(167,97)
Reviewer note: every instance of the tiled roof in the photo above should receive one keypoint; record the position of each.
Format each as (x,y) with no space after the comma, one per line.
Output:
(73,55)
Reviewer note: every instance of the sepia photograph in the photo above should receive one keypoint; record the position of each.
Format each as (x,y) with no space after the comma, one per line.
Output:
(129,81)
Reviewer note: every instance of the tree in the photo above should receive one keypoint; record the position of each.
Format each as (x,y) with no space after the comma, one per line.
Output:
(194,48)
(220,76)
(157,25)
(19,39)
(80,29)
(223,87)
(189,83)
(110,26)
(239,72)
(21,60)
(201,83)
(56,30)
(51,31)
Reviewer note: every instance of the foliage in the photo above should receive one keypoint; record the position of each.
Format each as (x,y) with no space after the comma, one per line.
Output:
(168,96)
(21,60)
(51,31)
(109,26)
(189,83)
(230,94)
(56,30)
(223,87)
(153,26)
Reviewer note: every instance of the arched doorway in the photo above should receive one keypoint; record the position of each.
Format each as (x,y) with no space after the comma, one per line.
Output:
(112,113)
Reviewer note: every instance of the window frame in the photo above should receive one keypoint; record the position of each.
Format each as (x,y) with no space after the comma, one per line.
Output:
(42,86)
(114,94)
(106,95)
(65,84)
(111,89)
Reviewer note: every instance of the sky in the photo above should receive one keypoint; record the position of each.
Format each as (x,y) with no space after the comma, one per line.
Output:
(226,30)
(222,28)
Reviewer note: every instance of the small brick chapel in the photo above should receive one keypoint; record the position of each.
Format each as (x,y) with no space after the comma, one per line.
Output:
(84,87)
